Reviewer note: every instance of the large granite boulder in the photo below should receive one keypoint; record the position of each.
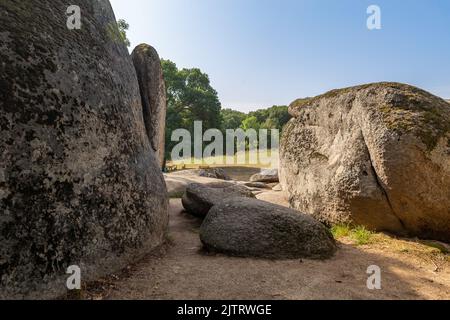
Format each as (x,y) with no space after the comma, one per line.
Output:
(200,198)
(79,182)
(153,94)
(253,228)
(376,155)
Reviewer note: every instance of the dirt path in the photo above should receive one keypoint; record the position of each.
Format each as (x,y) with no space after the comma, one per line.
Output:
(183,271)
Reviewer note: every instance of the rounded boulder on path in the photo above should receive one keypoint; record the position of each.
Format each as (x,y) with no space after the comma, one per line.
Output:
(199,198)
(254,228)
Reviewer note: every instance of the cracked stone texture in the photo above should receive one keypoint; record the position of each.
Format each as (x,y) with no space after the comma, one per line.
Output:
(376,155)
(153,93)
(79,182)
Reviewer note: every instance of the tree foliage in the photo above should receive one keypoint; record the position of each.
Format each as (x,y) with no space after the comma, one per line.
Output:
(275,117)
(123,27)
(232,119)
(272,118)
(190,97)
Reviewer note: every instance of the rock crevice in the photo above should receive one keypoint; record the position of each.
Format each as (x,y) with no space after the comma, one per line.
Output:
(383,189)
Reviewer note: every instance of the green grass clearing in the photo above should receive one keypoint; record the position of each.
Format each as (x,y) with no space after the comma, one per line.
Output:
(359,234)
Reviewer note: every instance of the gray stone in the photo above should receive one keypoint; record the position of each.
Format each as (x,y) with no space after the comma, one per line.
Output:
(376,155)
(153,95)
(258,185)
(254,228)
(199,198)
(215,173)
(80,184)
(266,176)
(177,182)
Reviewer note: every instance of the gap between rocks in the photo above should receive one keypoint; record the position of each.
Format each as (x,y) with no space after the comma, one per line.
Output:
(380,183)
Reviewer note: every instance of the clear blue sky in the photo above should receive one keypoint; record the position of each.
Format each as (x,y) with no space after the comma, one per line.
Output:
(264,52)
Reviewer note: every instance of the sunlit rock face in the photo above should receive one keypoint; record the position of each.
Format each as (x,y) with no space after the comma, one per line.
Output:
(79,181)
(376,155)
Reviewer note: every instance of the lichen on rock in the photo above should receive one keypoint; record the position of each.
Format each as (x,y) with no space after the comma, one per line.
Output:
(376,155)
(79,184)
(153,94)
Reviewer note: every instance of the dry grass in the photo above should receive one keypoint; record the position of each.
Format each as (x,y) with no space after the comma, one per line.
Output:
(221,161)
(427,250)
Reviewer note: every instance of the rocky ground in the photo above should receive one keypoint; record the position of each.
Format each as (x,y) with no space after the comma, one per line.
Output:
(82,154)
(181,269)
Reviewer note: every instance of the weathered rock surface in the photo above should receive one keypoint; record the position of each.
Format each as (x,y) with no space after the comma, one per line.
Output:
(275,197)
(153,95)
(79,183)
(266,176)
(215,173)
(177,182)
(258,185)
(278,187)
(254,228)
(376,155)
(199,198)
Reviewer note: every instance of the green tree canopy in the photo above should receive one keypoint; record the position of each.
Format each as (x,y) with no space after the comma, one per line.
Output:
(272,118)
(123,28)
(232,119)
(251,122)
(190,97)
(275,117)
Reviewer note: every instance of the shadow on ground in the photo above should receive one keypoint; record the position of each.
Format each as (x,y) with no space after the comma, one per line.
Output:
(182,270)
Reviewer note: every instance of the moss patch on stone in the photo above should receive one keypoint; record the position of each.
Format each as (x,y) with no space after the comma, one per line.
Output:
(420,113)
(405,109)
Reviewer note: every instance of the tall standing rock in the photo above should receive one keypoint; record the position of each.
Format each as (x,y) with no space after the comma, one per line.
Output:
(79,182)
(376,155)
(153,93)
